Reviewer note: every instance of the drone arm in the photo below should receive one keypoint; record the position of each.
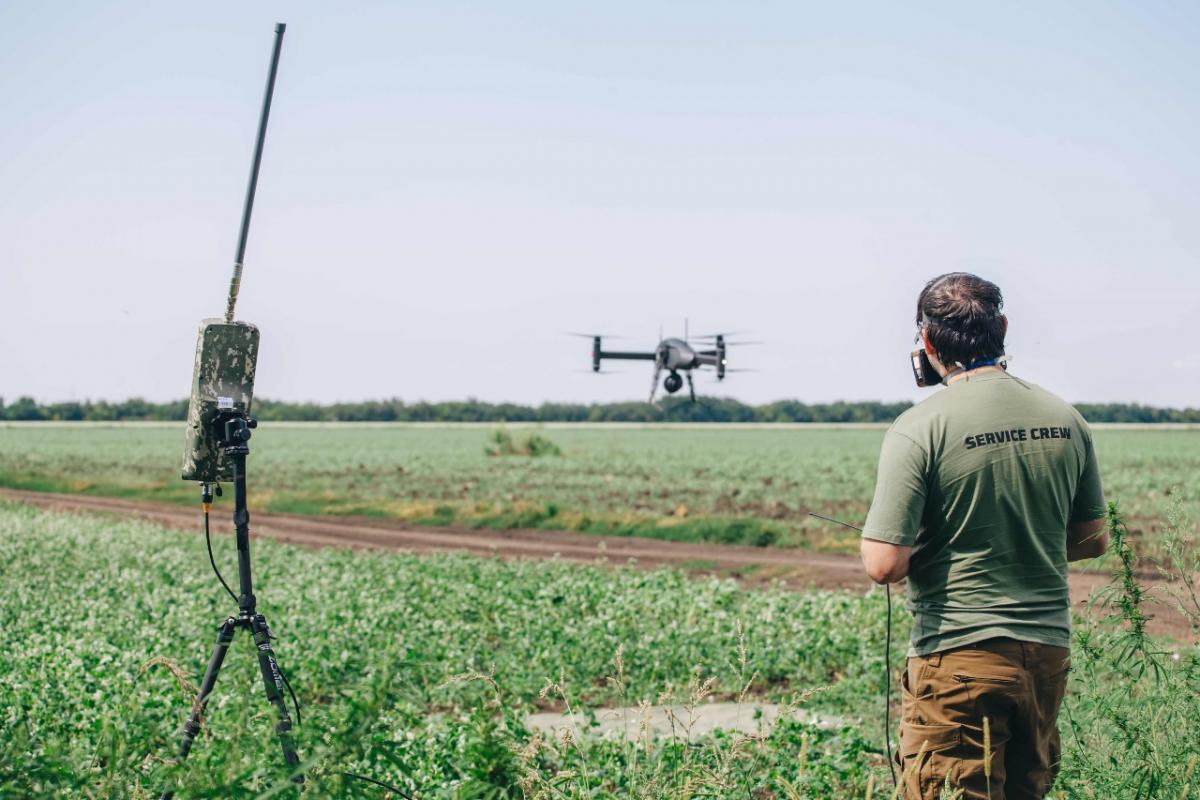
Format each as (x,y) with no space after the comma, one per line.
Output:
(624,356)
(714,358)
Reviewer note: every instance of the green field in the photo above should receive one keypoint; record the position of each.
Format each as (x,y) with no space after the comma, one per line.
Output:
(373,644)
(418,671)
(705,483)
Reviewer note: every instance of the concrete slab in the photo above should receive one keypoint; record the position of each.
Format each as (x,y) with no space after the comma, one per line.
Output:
(703,719)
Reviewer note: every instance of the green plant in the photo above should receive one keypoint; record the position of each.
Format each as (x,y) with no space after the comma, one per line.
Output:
(98,608)
(1134,707)
(531,444)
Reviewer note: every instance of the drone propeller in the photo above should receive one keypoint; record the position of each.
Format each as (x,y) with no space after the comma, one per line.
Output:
(594,335)
(721,333)
(601,371)
(726,340)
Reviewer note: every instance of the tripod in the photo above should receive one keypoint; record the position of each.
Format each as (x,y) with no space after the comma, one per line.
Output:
(234,433)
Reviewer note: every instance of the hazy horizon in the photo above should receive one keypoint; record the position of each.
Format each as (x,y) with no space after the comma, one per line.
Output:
(447,188)
(658,398)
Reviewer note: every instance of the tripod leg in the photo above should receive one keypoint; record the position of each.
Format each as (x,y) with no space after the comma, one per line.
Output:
(273,683)
(192,726)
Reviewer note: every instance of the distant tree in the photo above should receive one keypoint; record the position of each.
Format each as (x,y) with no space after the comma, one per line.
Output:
(100,411)
(25,408)
(673,408)
(70,411)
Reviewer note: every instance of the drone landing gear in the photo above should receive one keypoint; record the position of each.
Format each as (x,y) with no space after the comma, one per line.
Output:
(691,387)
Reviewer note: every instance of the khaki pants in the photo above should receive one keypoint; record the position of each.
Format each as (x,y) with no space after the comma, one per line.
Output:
(1018,686)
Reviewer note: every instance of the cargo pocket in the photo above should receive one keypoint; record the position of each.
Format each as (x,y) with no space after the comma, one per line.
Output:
(934,737)
(925,741)
(918,688)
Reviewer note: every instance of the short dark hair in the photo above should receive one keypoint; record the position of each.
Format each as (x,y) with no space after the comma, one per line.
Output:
(962,313)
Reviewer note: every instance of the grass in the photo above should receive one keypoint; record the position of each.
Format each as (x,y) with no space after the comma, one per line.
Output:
(376,646)
(707,483)
(418,670)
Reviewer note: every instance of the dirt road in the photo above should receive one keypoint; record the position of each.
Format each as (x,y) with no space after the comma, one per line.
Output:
(752,565)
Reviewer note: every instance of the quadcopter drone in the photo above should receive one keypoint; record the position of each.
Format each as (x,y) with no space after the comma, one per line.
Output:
(675,355)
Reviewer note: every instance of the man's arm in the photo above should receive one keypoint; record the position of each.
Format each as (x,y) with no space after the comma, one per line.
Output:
(1087,539)
(885,562)
(895,515)
(1087,527)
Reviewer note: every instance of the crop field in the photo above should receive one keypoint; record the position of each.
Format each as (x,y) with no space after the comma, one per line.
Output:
(379,649)
(698,483)
(419,670)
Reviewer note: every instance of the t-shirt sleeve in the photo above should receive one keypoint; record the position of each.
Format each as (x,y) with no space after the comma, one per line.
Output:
(900,491)
(1089,494)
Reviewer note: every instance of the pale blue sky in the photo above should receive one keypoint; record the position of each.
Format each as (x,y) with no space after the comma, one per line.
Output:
(448,186)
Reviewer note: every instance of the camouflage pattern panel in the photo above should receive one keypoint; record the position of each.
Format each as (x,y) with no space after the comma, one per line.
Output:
(222,381)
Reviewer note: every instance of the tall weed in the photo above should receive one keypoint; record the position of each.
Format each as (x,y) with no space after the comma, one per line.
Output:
(1131,722)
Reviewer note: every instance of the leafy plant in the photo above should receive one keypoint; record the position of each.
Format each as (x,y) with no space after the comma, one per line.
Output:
(531,444)
(1132,716)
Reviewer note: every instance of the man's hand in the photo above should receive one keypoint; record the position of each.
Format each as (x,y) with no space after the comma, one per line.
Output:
(884,562)
(1087,539)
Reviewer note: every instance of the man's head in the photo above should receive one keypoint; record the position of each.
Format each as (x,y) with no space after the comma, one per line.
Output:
(959,315)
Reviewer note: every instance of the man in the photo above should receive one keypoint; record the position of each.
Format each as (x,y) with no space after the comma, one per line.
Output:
(985,491)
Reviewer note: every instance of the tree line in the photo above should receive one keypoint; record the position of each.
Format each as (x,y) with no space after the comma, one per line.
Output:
(671,409)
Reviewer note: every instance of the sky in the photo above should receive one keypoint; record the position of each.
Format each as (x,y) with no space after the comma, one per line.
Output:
(449,187)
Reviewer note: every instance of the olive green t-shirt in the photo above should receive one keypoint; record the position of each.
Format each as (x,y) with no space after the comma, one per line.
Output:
(981,481)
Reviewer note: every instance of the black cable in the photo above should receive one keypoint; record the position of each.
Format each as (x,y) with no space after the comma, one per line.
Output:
(887,662)
(387,786)
(213,561)
(296,706)
(887,686)
(282,674)
(288,684)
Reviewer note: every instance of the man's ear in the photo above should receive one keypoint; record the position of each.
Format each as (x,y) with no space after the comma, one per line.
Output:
(1003,325)
(929,351)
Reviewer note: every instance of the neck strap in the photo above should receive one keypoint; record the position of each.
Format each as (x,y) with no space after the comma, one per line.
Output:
(983,362)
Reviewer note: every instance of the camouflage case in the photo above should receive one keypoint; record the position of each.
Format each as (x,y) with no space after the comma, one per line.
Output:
(222,381)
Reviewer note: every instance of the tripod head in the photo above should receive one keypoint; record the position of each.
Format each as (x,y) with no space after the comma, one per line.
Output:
(232,433)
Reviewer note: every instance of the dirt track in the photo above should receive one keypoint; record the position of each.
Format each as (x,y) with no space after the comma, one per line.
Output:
(798,568)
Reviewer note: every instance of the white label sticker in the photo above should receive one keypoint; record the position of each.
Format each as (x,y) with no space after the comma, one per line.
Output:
(224,402)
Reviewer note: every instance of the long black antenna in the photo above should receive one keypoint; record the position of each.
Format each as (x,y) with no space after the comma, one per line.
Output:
(235,282)
(838,521)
